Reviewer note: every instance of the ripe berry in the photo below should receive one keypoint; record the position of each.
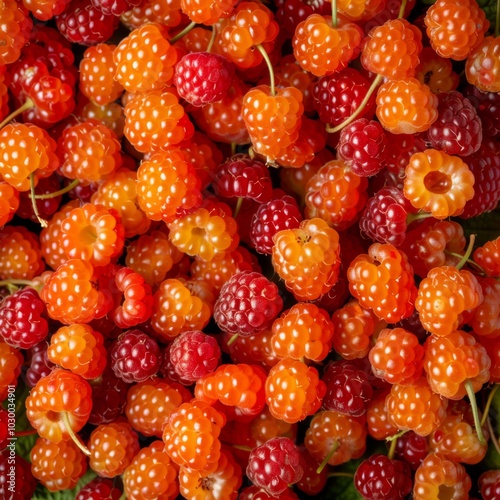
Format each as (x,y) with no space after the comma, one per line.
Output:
(275,465)
(482,69)
(135,356)
(380,478)
(99,488)
(203,77)
(248,303)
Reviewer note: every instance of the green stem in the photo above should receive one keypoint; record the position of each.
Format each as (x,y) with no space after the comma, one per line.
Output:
(237,208)
(16,282)
(418,216)
(42,222)
(468,252)
(475,412)
(329,455)
(334,14)
(232,340)
(73,436)
(340,474)
(29,432)
(392,448)
(469,261)
(402,9)
(62,191)
(27,105)
(185,31)
(212,38)
(488,404)
(242,447)
(262,50)
(360,109)
(493,436)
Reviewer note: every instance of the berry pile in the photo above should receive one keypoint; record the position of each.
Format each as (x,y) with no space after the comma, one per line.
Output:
(238,249)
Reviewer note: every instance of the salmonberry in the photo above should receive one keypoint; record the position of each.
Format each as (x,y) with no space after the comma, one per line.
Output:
(488,257)
(489,484)
(151,474)
(380,425)
(58,466)
(112,448)
(455,28)
(10,368)
(275,465)
(293,390)
(15,30)
(412,449)
(436,474)
(61,398)
(99,488)
(307,258)
(380,478)
(482,69)
(135,356)
(436,72)
(444,295)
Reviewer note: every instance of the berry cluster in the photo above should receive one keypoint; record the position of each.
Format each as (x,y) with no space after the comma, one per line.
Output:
(238,249)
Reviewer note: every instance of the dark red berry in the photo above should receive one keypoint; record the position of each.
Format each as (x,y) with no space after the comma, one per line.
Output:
(4,428)
(40,365)
(46,208)
(412,449)
(16,480)
(363,145)
(83,23)
(135,356)
(194,354)
(380,478)
(242,177)
(99,489)
(458,129)
(203,77)
(22,319)
(270,218)
(275,465)
(487,105)
(114,7)
(248,303)
(348,389)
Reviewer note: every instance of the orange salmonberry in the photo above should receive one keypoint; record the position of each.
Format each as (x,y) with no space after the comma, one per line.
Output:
(452,361)
(191,436)
(482,68)
(9,202)
(293,390)
(354,327)
(58,466)
(436,474)
(272,120)
(14,31)
(397,357)
(26,149)
(92,233)
(97,69)
(380,426)
(436,72)
(151,474)
(59,392)
(488,257)
(167,13)
(485,320)
(307,258)
(392,49)
(444,295)
(383,281)
(238,385)
(117,436)
(166,184)
(455,28)
(145,59)
(416,407)
(176,309)
(303,331)
(155,121)
(336,194)
(330,430)
(207,13)
(78,348)
(89,151)
(10,368)
(438,183)
(208,231)
(322,49)
(406,106)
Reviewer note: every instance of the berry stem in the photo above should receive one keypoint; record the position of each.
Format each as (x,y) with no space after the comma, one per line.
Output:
(74,437)
(402,9)
(232,340)
(360,109)
(62,191)
(488,404)
(469,261)
(493,436)
(329,455)
(212,39)
(42,222)
(16,282)
(262,50)
(237,208)
(340,474)
(27,105)
(185,31)
(468,252)
(242,447)
(334,14)
(28,432)
(475,412)
(392,448)
(418,216)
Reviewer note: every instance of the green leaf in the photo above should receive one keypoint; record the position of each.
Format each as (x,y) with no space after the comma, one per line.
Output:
(42,493)
(490,9)
(342,488)
(492,458)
